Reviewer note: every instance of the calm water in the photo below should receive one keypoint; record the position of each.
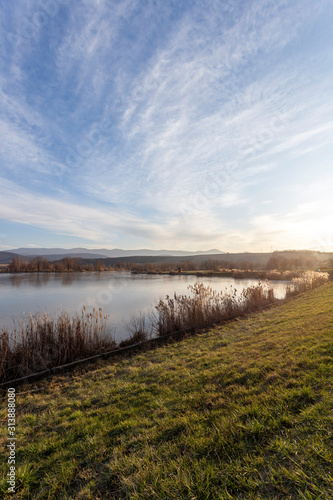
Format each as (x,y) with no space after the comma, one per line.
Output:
(121,294)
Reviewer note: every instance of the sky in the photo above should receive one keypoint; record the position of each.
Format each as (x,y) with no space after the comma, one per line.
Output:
(185,124)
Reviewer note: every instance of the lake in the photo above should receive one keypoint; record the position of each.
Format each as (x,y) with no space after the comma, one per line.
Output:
(121,294)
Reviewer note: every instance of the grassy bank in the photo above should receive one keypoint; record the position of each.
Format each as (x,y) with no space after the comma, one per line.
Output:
(243,411)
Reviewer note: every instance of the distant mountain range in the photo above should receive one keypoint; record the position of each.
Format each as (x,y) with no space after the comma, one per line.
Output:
(53,254)
(6,257)
(102,253)
(112,257)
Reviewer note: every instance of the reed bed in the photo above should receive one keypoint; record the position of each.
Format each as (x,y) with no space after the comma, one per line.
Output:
(307,281)
(43,342)
(206,306)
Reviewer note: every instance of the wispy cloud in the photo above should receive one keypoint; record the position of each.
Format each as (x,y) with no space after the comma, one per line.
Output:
(70,218)
(205,103)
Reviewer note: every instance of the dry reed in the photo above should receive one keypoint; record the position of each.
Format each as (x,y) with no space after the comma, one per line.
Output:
(44,342)
(207,306)
(307,281)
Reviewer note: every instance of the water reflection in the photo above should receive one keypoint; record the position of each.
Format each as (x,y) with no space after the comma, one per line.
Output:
(36,280)
(42,279)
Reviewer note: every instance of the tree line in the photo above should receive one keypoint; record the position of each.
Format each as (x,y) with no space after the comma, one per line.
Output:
(41,264)
(71,264)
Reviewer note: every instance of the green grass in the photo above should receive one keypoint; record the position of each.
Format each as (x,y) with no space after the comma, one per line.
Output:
(241,411)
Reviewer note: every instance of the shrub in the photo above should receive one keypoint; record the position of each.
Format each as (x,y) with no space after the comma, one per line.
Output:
(238,275)
(136,338)
(273,275)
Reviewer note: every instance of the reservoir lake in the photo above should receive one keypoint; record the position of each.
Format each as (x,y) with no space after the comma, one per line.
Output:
(122,295)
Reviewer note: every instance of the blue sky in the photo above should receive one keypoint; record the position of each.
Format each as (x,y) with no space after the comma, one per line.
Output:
(183,125)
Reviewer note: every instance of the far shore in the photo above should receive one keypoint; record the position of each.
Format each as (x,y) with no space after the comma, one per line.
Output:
(237,274)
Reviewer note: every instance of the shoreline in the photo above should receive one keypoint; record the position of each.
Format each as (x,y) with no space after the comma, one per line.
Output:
(236,274)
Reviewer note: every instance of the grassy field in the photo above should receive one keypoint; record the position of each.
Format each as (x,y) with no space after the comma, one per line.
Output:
(240,411)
